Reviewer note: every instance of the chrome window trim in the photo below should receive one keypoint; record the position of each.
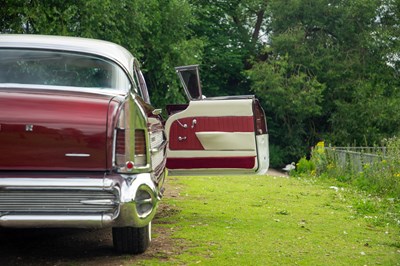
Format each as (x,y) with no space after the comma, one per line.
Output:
(107,92)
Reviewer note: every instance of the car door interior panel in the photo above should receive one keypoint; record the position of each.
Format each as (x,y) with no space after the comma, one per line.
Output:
(218,135)
(213,134)
(185,132)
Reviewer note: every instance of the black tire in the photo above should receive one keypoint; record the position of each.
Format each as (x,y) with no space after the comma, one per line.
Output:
(131,240)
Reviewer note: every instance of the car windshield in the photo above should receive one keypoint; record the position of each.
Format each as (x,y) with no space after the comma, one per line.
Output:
(39,67)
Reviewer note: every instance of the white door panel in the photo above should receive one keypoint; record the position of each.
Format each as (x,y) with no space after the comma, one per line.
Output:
(227,141)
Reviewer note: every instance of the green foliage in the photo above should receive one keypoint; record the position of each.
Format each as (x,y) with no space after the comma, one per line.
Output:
(277,155)
(380,176)
(292,98)
(373,114)
(384,176)
(167,43)
(231,35)
(346,52)
(305,166)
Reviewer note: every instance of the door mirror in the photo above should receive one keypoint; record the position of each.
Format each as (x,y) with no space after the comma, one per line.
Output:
(190,79)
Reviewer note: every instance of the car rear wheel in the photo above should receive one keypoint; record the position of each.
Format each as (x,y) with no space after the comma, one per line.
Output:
(131,240)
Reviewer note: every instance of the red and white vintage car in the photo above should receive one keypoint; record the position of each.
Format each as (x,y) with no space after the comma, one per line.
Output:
(81,146)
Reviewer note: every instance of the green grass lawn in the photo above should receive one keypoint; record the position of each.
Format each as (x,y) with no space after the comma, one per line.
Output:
(264,220)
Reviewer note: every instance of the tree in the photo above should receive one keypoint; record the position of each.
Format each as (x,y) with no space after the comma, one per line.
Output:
(231,32)
(292,98)
(345,47)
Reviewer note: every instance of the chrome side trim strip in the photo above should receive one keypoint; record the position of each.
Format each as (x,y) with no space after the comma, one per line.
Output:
(65,182)
(75,221)
(77,155)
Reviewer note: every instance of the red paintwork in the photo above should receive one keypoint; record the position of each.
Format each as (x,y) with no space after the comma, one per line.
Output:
(223,124)
(63,122)
(210,163)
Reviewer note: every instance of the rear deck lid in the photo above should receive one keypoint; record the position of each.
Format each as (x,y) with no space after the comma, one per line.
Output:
(53,130)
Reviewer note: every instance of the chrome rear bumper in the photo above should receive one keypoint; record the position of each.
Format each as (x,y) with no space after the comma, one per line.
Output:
(84,201)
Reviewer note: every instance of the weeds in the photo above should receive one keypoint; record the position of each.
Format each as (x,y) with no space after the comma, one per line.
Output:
(378,177)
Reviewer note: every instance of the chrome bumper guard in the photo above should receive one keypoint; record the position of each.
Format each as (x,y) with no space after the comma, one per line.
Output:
(80,202)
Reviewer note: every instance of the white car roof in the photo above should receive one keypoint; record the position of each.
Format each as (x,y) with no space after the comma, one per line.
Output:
(105,49)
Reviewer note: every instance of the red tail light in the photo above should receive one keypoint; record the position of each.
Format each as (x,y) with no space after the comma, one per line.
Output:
(120,142)
(120,147)
(140,147)
(140,142)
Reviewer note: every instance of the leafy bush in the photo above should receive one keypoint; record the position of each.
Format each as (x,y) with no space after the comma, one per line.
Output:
(383,177)
(305,166)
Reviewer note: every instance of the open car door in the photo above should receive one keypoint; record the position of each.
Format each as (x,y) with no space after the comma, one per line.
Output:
(219,135)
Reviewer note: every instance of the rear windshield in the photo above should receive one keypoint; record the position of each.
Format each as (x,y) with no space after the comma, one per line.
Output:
(39,67)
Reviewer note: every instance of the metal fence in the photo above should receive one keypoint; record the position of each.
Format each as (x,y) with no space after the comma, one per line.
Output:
(354,158)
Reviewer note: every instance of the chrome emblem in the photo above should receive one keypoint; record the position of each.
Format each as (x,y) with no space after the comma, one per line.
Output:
(29,128)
